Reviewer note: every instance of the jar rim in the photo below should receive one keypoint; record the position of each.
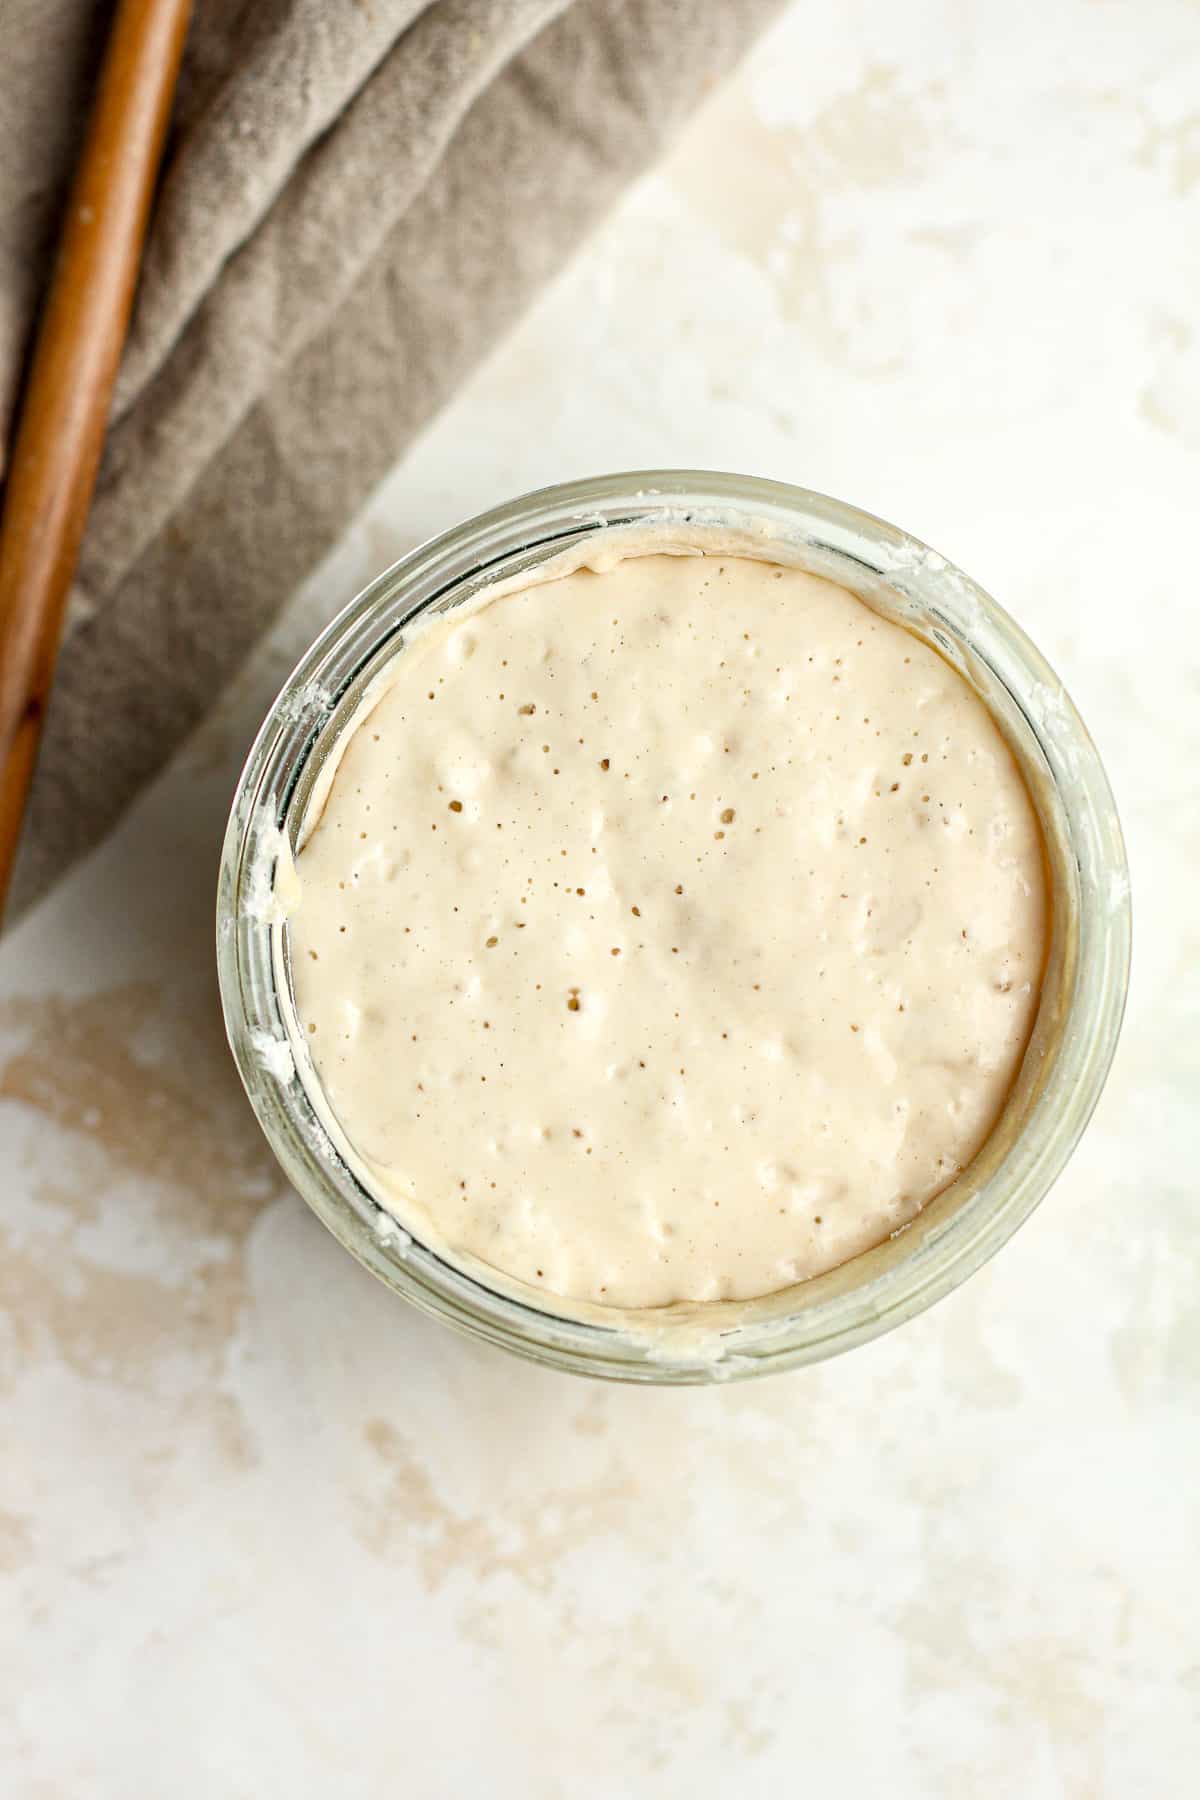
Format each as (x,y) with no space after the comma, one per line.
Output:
(899,575)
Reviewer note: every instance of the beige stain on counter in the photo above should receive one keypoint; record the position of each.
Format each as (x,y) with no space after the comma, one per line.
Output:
(526,1539)
(1173,149)
(619,1477)
(1170,400)
(138,1086)
(16,1542)
(769,192)
(1037,1679)
(134,1073)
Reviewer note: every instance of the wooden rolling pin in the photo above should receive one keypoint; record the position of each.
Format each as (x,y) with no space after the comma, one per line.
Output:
(61,432)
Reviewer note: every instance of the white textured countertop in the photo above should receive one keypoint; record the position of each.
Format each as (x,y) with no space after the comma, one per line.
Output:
(264,1530)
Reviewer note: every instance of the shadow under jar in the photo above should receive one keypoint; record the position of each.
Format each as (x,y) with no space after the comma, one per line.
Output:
(1083,989)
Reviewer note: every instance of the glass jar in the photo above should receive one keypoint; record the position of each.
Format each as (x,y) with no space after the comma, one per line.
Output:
(1083,995)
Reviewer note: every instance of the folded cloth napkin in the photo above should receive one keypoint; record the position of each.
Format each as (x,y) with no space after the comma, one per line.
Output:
(359,195)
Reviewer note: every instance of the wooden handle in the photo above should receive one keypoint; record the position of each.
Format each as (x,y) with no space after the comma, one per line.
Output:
(58,443)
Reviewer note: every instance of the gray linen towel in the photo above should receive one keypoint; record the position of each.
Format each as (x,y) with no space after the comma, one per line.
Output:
(359,195)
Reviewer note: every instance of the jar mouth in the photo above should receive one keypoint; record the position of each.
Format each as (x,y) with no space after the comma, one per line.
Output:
(1085,978)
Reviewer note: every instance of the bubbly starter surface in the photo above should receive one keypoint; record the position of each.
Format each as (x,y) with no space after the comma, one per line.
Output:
(669,933)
